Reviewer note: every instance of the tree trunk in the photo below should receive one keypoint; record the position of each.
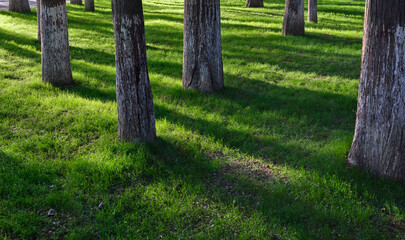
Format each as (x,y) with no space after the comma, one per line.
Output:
(19,6)
(55,43)
(294,20)
(136,117)
(254,3)
(39,20)
(89,5)
(77,2)
(313,11)
(379,139)
(202,54)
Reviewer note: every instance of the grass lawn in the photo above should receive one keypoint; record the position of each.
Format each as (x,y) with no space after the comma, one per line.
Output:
(262,159)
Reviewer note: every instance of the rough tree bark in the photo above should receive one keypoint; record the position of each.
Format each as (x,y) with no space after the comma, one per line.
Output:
(202,51)
(254,3)
(294,20)
(56,67)
(39,20)
(77,2)
(89,5)
(19,6)
(313,11)
(136,117)
(379,139)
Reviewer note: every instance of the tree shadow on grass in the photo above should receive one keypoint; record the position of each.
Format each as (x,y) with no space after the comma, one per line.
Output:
(21,185)
(289,104)
(265,192)
(244,103)
(8,37)
(349,10)
(28,18)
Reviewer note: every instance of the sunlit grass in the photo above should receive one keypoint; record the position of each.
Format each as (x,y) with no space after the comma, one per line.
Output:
(262,159)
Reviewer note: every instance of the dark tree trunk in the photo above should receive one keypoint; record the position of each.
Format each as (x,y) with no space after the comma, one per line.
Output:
(136,117)
(89,5)
(77,2)
(254,3)
(202,53)
(379,139)
(39,19)
(19,6)
(313,11)
(294,20)
(55,43)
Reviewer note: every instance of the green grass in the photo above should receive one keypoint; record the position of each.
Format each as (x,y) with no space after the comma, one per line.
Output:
(262,159)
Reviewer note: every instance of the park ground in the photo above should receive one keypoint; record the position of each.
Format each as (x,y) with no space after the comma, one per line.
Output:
(265,158)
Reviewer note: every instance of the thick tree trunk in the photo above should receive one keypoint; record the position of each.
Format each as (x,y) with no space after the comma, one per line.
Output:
(39,19)
(202,53)
(19,6)
(77,2)
(294,20)
(136,117)
(89,5)
(313,11)
(254,3)
(379,139)
(55,43)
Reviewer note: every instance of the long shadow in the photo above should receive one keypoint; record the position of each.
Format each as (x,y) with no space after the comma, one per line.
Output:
(20,185)
(289,103)
(349,10)
(27,17)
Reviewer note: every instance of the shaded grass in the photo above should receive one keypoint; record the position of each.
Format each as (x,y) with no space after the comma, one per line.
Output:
(262,159)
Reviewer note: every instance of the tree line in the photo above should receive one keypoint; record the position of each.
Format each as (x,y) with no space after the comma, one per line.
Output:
(379,138)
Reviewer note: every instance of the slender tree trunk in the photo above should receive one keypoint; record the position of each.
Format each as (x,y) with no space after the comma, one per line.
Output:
(254,3)
(294,20)
(136,117)
(202,54)
(89,5)
(379,139)
(55,43)
(77,2)
(19,6)
(313,11)
(39,19)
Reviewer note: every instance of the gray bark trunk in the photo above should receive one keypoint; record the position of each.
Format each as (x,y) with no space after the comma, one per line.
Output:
(379,139)
(89,5)
(39,20)
(19,6)
(294,20)
(56,67)
(136,117)
(254,3)
(77,2)
(202,51)
(313,11)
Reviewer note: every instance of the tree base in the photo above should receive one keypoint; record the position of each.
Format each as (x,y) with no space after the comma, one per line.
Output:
(254,3)
(76,2)
(202,51)
(294,21)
